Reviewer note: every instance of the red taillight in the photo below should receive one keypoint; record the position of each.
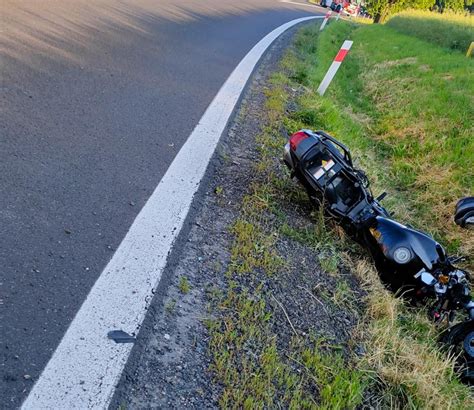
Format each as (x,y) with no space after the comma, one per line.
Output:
(296,138)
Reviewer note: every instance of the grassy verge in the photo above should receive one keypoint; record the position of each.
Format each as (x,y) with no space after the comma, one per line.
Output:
(389,105)
(261,355)
(449,30)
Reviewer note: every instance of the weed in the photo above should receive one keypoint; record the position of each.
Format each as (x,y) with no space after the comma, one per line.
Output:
(253,249)
(225,157)
(184,286)
(329,264)
(341,385)
(170,306)
(344,296)
(304,235)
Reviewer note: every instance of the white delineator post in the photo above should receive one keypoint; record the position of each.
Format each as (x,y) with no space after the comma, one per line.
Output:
(338,14)
(346,46)
(325,21)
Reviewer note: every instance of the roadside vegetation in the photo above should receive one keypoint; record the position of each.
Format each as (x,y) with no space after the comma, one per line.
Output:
(264,354)
(383,9)
(405,108)
(450,30)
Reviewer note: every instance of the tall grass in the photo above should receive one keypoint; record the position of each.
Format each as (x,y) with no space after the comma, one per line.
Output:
(449,30)
(401,348)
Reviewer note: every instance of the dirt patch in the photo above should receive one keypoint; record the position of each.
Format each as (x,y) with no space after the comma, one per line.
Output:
(447,77)
(396,63)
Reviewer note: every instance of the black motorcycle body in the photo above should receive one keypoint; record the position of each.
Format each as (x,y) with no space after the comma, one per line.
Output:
(408,261)
(324,166)
(401,252)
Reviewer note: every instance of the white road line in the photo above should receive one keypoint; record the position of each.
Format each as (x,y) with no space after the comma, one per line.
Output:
(301,4)
(86,366)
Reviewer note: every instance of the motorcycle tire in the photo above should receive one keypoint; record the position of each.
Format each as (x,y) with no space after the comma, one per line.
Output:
(459,339)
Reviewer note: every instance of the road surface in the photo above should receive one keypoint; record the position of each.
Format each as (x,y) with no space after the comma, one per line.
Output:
(97,98)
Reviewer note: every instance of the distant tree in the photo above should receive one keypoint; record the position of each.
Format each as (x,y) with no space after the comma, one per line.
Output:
(453,5)
(469,5)
(381,9)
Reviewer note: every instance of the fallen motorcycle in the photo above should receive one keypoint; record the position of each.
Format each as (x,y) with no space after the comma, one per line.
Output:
(408,261)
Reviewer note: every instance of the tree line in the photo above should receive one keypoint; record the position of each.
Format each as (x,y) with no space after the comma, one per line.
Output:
(381,9)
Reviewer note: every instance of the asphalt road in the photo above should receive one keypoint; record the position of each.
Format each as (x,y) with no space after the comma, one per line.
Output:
(97,97)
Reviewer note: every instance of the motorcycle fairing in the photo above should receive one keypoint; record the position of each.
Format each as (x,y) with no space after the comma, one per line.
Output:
(391,235)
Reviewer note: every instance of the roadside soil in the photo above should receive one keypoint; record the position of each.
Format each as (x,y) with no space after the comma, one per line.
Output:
(170,366)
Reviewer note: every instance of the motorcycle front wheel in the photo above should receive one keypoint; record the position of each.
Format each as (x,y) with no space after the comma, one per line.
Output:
(459,339)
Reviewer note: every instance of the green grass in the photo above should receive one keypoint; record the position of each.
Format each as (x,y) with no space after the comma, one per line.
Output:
(255,374)
(405,109)
(449,30)
(170,306)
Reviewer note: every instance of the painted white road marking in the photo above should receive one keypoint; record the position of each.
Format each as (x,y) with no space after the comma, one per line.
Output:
(301,4)
(86,366)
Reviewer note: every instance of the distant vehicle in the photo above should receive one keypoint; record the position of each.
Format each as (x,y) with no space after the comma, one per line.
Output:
(325,3)
(336,7)
(351,10)
(363,12)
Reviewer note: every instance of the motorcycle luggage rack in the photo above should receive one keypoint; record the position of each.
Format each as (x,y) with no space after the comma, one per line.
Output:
(333,164)
(323,136)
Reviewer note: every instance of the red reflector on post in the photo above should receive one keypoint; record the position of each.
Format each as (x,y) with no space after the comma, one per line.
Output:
(296,138)
(340,56)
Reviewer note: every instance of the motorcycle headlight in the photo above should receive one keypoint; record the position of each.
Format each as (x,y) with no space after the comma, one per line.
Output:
(402,255)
